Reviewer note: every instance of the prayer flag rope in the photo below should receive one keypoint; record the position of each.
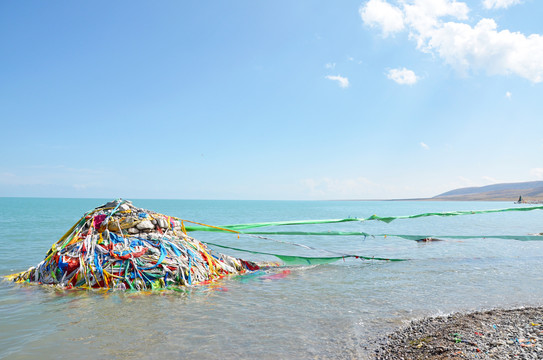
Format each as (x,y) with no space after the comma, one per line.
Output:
(402,236)
(304,260)
(118,246)
(241,228)
(386,219)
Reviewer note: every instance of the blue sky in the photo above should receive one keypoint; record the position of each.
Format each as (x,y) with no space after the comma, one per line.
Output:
(268,99)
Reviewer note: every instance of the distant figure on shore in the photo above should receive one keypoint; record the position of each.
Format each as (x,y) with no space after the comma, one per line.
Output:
(522,201)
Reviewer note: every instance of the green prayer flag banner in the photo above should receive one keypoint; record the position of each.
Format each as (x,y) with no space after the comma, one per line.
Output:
(304,260)
(402,236)
(387,219)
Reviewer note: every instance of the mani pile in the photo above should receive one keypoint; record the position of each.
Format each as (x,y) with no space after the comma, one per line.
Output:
(118,246)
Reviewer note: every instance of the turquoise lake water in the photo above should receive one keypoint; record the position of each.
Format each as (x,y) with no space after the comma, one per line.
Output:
(324,311)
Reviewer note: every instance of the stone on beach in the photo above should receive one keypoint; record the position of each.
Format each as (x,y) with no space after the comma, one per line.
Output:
(493,334)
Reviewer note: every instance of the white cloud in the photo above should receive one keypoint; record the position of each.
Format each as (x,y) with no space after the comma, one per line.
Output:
(497,4)
(508,94)
(537,173)
(338,187)
(424,146)
(484,48)
(51,175)
(8,178)
(465,47)
(343,81)
(462,182)
(491,180)
(350,188)
(330,65)
(379,13)
(403,76)
(423,16)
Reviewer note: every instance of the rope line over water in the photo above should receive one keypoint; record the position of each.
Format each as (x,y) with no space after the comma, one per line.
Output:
(291,260)
(240,228)
(386,219)
(305,260)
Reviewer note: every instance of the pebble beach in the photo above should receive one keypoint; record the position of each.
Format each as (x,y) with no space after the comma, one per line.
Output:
(494,334)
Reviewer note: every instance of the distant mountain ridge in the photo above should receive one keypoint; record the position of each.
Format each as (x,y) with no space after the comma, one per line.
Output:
(530,191)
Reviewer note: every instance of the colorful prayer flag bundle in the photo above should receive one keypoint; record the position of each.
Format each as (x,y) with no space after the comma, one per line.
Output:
(119,246)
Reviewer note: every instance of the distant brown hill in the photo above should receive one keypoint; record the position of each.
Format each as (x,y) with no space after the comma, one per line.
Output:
(530,191)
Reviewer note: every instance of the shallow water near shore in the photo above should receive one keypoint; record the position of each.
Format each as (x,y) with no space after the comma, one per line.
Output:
(333,310)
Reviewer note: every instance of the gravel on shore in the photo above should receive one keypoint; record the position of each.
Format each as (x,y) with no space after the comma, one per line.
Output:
(493,334)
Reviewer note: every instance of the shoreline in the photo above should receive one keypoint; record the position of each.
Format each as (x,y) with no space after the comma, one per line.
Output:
(491,334)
